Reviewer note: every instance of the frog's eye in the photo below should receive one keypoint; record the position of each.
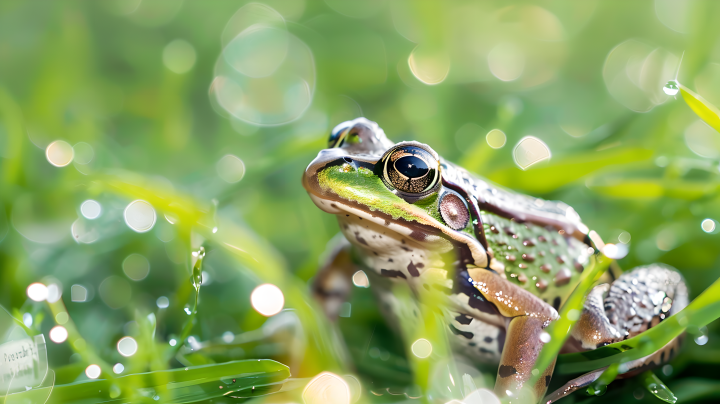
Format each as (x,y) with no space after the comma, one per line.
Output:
(453,210)
(409,169)
(338,135)
(345,133)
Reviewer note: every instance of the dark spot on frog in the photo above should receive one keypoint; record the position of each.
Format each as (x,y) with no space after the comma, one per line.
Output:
(390,260)
(542,239)
(563,277)
(346,227)
(333,205)
(556,303)
(374,236)
(425,285)
(486,351)
(471,344)
(375,253)
(402,240)
(494,229)
(418,235)
(405,248)
(488,339)
(412,269)
(522,266)
(560,259)
(359,218)
(463,319)
(578,266)
(509,232)
(465,334)
(510,257)
(545,268)
(528,258)
(528,243)
(547,380)
(360,239)
(506,371)
(391,273)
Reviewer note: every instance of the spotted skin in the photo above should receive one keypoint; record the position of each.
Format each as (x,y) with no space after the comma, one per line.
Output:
(504,276)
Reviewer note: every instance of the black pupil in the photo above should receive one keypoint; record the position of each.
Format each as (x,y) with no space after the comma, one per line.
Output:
(411,166)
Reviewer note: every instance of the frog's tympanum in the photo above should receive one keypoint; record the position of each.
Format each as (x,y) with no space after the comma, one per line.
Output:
(506,262)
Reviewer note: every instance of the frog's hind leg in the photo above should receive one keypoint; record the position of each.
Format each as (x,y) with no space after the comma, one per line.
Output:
(636,301)
(333,282)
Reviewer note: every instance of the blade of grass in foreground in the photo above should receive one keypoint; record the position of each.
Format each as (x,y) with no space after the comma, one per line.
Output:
(702,108)
(186,385)
(570,313)
(701,311)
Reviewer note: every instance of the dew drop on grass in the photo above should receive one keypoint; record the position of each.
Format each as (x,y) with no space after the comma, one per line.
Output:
(597,390)
(671,87)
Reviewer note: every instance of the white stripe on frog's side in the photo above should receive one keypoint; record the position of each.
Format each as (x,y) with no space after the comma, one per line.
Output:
(479,255)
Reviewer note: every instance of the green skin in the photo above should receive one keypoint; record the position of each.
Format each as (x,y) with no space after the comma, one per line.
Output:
(504,275)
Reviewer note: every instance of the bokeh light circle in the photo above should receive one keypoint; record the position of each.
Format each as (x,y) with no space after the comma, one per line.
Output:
(58,334)
(91,209)
(93,371)
(140,216)
(136,267)
(59,153)
(708,225)
(37,292)
(179,56)
(230,168)
(127,346)
(265,76)
(421,348)
(267,299)
(496,138)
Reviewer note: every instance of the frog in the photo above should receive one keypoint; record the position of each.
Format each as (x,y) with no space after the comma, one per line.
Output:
(504,262)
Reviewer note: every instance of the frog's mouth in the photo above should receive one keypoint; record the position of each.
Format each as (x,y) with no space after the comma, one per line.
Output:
(342,183)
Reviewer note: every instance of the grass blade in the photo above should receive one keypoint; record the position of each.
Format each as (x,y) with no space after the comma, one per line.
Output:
(657,388)
(702,108)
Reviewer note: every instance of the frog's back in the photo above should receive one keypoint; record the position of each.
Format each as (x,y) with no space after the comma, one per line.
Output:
(540,245)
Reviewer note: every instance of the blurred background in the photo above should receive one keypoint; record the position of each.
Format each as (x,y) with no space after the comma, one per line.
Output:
(133,132)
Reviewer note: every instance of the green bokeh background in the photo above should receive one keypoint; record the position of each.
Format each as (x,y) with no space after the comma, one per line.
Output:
(584,77)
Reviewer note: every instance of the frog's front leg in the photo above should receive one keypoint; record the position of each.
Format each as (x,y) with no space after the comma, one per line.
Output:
(527,316)
(333,282)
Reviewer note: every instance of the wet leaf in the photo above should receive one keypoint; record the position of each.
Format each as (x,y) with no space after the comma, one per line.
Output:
(652,188)
(657,388)
(567,169)
(702,108)
(184,385)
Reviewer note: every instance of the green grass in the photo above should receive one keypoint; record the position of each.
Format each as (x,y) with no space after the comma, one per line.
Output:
(93,72)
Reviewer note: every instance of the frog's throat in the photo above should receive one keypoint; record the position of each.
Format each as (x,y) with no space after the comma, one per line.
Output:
(421,229)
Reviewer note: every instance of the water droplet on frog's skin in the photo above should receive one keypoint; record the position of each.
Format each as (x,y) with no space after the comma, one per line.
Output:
(671,87)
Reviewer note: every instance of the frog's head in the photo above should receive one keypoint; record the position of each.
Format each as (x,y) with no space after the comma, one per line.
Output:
(399,187)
